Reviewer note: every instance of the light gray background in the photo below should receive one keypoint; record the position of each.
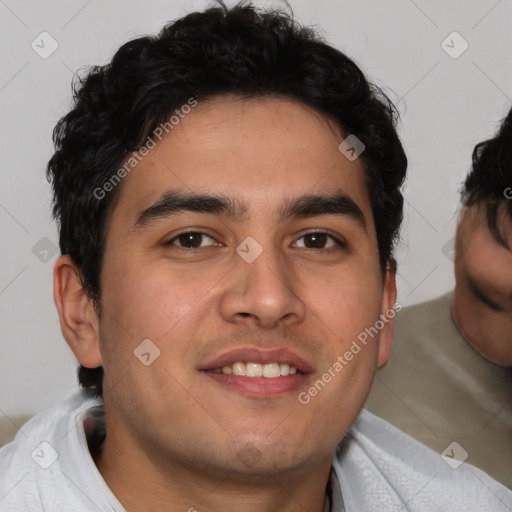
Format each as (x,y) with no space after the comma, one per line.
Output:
(447,105)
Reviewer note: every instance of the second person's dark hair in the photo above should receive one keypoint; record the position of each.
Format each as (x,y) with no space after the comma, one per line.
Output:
(491,176)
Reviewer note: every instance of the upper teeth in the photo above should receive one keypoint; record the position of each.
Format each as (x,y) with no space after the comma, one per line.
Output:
(258,370)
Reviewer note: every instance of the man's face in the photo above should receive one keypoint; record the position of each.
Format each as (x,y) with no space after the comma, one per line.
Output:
(195,284)
(482,305)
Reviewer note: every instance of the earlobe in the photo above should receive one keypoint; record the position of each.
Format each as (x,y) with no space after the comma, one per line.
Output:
(78,320)
(388,318)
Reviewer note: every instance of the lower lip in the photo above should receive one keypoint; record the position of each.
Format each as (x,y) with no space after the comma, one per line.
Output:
(259,386)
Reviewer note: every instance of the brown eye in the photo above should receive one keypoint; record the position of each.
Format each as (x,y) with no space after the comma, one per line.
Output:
(189,240)
(319,240)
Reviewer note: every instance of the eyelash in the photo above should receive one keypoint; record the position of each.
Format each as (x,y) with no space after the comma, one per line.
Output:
(340,244)
(484,300)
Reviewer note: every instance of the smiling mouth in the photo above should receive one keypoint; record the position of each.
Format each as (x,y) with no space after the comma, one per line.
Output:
(256,373)
(255,380)
(250,369)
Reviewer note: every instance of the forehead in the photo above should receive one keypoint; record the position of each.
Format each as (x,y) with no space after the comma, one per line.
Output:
(258,151)
(486,261)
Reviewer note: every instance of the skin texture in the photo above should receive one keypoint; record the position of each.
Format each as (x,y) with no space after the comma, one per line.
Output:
(174,435)
(485,321)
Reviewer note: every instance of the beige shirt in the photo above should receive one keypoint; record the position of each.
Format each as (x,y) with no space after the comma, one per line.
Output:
(438,389)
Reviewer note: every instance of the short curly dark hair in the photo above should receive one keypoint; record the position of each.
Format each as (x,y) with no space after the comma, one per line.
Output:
(240,50)
(489,182)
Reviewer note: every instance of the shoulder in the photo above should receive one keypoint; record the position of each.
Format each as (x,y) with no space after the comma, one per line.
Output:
(378,463)
(426,313)
(31,465)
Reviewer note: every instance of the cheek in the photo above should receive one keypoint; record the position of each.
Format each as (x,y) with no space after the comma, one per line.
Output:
(150,301)
(347,302)
(488,326)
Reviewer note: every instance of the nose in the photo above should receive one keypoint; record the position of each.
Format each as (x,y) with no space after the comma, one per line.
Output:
(263,293)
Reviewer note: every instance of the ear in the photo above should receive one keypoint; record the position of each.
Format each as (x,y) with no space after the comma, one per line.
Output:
(78,320)
(388,317)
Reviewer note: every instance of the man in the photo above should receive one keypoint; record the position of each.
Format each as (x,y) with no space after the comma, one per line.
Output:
(449,378)
(228,195)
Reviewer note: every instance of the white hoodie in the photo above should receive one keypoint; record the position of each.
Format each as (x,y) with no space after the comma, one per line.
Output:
(48,468)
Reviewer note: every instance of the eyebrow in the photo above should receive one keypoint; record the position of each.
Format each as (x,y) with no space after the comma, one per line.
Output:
(480,295)
(174,202)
